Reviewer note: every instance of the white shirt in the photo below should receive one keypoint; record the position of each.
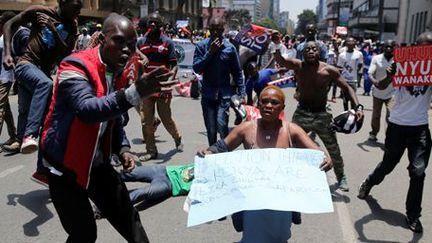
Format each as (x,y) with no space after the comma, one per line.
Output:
(411,106)
(349,62)
(83,41)
(6,76)
(377,69)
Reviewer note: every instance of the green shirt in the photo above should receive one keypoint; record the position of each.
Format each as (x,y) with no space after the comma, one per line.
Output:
(181,177)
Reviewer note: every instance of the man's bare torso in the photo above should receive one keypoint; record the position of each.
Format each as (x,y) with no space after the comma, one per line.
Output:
(312,83)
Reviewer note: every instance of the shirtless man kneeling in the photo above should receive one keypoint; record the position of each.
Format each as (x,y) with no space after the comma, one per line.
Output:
(266,132)
(313,81)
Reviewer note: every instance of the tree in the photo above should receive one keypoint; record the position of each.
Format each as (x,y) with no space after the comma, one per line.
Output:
(306,17)
(268,23)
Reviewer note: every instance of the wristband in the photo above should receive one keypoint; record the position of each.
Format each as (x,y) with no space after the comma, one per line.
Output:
(359,107)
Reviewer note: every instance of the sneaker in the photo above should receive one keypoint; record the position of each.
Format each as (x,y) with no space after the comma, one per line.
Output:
(364,189)
(372,137)
(296,218)
(97,213)
(29,145)
(40,178)
(179,145)
(414,224)
(9,141)
(148,156)
(343,183)
(12,148)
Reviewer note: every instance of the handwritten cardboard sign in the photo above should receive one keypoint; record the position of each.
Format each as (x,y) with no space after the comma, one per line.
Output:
(275,179)
(413,66)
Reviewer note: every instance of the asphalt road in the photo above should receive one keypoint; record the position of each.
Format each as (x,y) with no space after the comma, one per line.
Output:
(27,214)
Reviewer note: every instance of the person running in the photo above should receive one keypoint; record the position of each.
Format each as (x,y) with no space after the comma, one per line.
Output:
(266,132)
(53,36)
(408,128)
(6,80)
(313,79)
(160,51)
(84,127)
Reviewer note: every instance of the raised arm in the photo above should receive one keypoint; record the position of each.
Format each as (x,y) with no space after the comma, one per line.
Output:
(288,63)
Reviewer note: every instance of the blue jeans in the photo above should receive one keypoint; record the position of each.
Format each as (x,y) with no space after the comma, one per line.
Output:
(367,83)
(216,114)
(417,139)
(158,190)
(34,94)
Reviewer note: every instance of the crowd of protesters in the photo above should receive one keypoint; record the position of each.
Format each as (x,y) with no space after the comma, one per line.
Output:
(99,75)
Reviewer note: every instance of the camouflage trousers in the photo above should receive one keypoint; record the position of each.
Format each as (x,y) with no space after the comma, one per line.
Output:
(319,122)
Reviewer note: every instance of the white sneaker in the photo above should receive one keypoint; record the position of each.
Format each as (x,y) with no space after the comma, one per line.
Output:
(29,145)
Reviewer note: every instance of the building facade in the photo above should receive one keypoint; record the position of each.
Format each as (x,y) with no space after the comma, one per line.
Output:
(338,12)
(252,6)
(415,17)
(376,19)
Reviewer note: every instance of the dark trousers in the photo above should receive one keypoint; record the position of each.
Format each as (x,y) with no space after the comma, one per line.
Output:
(417,140)
(110,195)
(216,114)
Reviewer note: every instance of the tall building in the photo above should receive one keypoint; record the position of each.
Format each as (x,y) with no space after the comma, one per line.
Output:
(377,19)
(322,19)
(253,6)
(415,17)
(338,12)
(274,10)
(265,8)
(283,19)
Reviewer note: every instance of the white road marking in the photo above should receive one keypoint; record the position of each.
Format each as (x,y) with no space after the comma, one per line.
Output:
(11,171)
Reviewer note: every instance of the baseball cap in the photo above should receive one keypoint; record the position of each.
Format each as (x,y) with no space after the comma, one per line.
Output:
(346,122)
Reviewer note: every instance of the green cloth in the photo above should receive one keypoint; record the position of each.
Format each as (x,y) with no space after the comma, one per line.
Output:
(181,177)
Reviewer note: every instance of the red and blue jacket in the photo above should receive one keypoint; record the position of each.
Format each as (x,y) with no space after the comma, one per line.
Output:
(79,106)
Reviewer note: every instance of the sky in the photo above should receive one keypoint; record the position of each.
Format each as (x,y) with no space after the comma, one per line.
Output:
(296,7)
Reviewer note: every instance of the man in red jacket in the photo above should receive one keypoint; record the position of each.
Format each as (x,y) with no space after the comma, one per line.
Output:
(83,128)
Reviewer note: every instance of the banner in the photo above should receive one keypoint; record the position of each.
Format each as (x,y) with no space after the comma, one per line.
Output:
(184,52)
(182,23)
(275,179)
(413,66)
(254,36)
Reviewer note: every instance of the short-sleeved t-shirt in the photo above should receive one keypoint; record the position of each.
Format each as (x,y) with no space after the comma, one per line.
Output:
(41,53)
(161,53)
(349,61)
(181,177)
(259,83)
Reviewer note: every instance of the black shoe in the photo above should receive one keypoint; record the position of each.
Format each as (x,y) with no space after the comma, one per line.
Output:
(179,145)
(414,224)
(296,218)
(364,189)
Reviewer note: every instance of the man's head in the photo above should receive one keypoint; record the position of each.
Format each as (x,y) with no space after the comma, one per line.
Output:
(84,31)
(310,32)
(275,37)
(217,28)
(311,52)
(154,23)
(70,9)
(271,102)
(424,38)
(6,16)
(118,41)
(252,69)
(389,46)
(350,44)
(98,27)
